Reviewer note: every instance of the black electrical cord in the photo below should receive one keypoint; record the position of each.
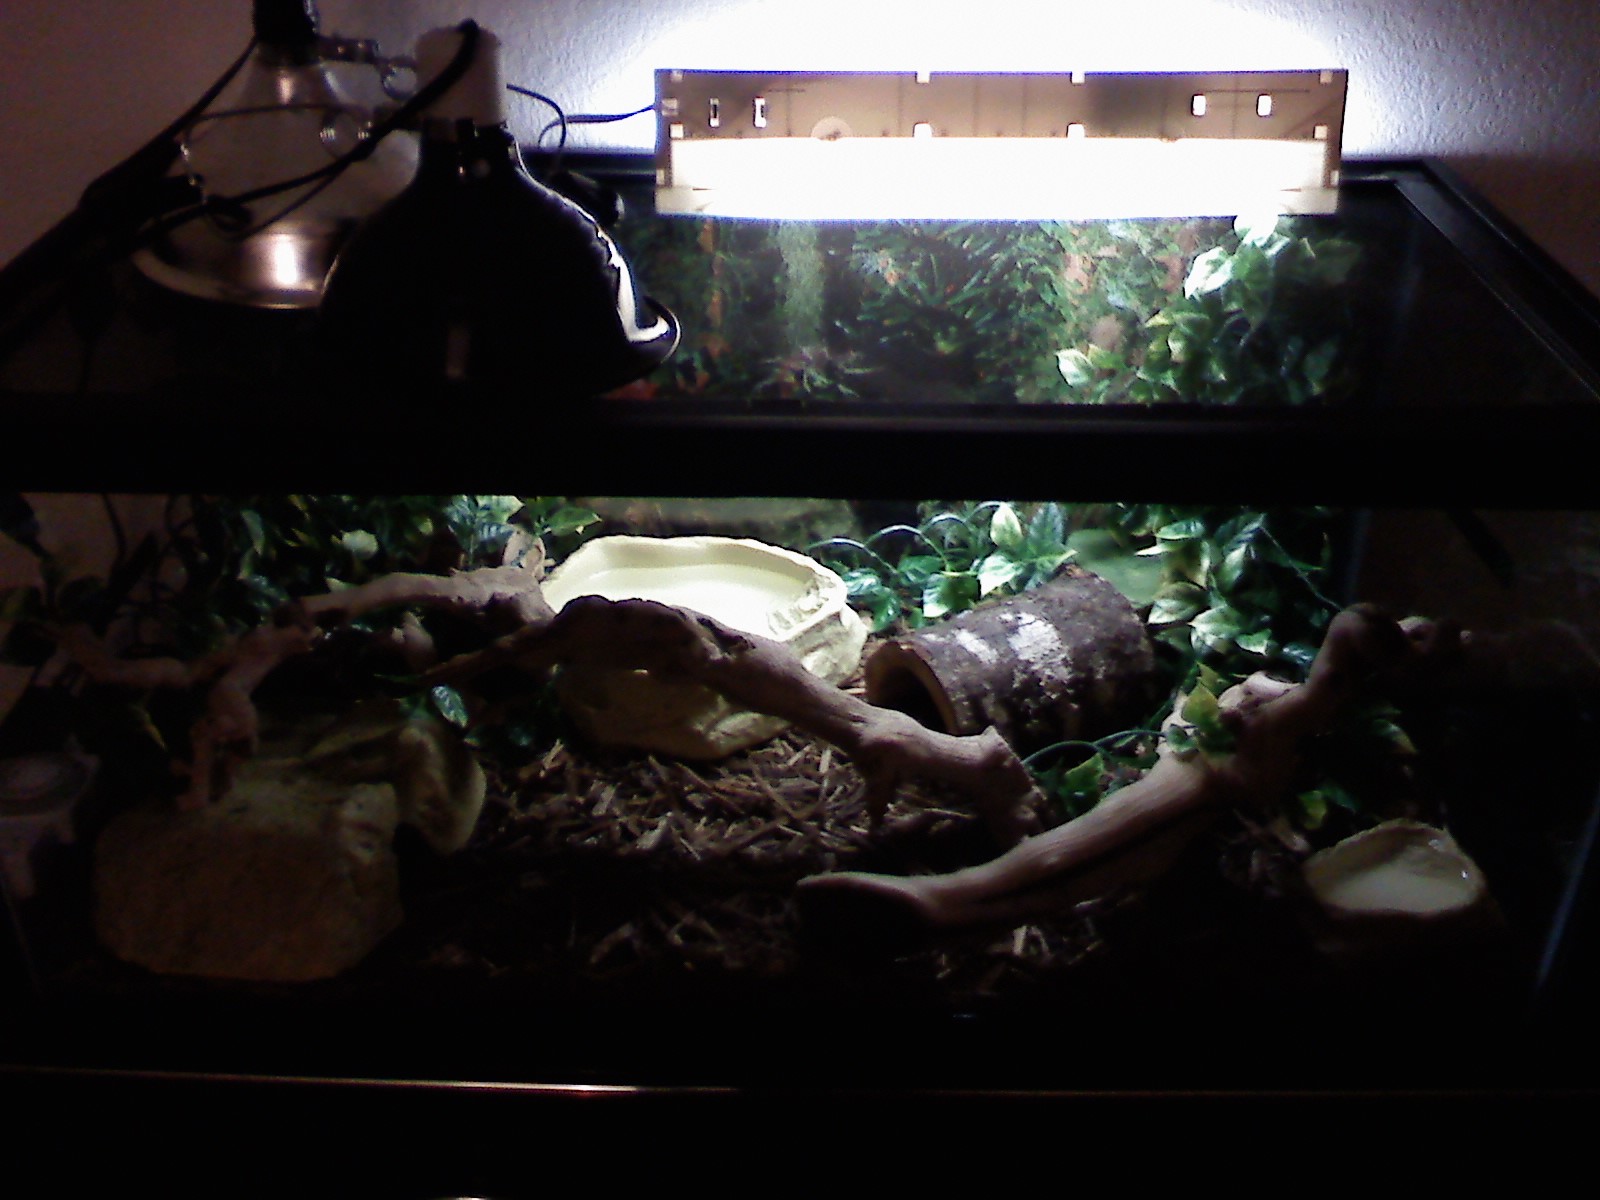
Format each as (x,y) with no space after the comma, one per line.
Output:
(586,119)
(565,120)
(162,150)
(234,209)
(560,122)
(608,118)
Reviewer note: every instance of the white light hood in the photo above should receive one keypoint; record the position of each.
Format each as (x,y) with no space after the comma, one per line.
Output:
(1069,146)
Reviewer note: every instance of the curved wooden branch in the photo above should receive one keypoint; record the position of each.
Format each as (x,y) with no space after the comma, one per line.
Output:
(506,597)
(229,732)
(888,747)
(1136,832)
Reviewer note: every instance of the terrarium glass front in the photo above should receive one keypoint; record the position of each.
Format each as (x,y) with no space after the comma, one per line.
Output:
(505,835)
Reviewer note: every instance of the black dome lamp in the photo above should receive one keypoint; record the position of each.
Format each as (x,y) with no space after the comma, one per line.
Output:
(477,274)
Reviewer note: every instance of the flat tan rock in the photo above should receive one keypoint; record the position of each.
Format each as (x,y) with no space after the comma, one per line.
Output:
(290,877)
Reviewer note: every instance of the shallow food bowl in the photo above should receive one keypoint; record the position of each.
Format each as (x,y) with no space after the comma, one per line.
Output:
(747,585)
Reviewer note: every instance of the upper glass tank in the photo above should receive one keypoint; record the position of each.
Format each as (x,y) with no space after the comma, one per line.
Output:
(1210,312)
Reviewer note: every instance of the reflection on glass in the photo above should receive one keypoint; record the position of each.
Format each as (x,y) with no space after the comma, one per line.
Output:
(1206,311)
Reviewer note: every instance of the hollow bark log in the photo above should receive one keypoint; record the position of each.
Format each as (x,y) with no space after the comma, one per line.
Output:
(1064,661)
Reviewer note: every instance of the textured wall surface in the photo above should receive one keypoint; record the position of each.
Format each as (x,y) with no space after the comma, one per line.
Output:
(1506,93)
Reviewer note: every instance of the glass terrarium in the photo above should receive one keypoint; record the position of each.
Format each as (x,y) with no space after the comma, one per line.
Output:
(977,634)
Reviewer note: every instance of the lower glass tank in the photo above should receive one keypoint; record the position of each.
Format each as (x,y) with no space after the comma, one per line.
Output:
(659,781)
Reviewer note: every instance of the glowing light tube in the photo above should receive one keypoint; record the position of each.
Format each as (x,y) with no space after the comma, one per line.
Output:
(1064,146)
(1010,178)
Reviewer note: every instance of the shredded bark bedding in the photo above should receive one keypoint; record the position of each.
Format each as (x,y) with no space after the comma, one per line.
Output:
(611,868)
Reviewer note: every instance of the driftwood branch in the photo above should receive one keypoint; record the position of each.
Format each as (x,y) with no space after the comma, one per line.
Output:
(1136,832)
(503,597)
(228,730)
(888,747)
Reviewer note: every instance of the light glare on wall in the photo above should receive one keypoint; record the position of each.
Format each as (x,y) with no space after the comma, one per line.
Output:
(1042,146)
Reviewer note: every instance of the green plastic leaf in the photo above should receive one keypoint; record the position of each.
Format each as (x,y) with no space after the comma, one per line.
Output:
(1313,807)
(1181,740)
(1173,608)
(1317,804)
(998,572)
(1102,359)
(1217,627)
(1251,267)
(1200,707)
(360,544)
(1075,368)
(1080,788)
(949,592)
(1047,529)
(447,702)
(1182,531)
(1211,271)
(1202,711)
(1044,568)
(1397,738)
(569,519)
(1005,530)
(254,529)
(861,581)
(1256,229)
(1231,570)
(1086,775)
(917,569)
(1213,680)
(1259,642)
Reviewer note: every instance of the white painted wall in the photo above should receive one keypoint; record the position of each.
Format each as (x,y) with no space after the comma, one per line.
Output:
(1509,93)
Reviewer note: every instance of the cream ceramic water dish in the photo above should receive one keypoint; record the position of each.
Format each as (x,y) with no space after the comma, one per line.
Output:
(1401,884)
(747,585)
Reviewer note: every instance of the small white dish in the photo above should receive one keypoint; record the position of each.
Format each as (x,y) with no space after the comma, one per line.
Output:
(38,793)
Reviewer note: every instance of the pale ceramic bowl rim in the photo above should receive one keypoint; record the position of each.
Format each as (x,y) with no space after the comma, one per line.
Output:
(567,581)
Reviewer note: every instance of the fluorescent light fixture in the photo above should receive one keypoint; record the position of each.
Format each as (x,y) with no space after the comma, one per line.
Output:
(1069,146)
